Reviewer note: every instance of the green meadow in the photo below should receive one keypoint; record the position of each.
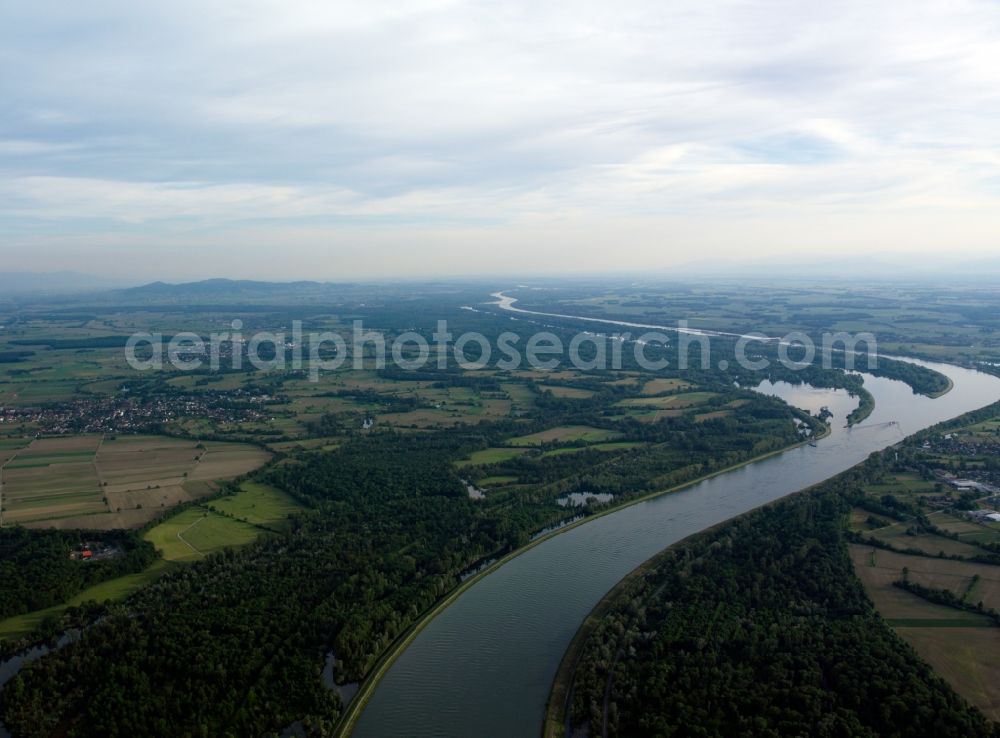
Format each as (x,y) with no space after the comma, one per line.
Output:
(258,504)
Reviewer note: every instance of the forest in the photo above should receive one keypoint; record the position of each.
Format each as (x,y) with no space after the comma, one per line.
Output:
(759,627)
(36,570)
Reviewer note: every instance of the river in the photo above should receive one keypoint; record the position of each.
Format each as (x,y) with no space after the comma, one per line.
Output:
(485,665)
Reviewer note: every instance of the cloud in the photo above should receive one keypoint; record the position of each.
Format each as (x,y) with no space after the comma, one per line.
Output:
(438,120)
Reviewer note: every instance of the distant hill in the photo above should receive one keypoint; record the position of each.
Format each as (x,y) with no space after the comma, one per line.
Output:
(209,287)
(209,291)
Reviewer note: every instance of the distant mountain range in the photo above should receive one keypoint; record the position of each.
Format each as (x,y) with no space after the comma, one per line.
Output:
(28,285)
(208,288)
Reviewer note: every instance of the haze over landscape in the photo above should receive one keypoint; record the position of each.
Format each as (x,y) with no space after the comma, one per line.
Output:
(451,368)
(431,137)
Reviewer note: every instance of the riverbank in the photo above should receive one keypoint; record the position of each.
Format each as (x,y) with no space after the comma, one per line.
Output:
(353,712)
(559,697)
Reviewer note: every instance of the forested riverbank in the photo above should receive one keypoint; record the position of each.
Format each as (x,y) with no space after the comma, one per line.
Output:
(758,626)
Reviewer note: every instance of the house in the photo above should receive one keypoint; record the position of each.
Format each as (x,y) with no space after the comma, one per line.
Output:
(984,516)
(938,501)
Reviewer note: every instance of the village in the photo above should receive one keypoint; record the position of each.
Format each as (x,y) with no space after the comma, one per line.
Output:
(972,472)
(122,413)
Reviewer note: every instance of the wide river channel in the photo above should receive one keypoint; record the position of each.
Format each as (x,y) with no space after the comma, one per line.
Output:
(484,666)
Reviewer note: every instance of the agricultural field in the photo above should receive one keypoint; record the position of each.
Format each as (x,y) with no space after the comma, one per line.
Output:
(522,397)
(965,658)
(496,481)
(9,448)
(258,504)
(907,486)
(564,434)
(968,531)
(877,570)
(897,535)
(681,401)
(122,481)
(653,408)
(572,393)
(712,415)
(661,385)
(608,447)
(309,444)
(52,478)
(195,532)
(970,581)
(959,645)
(491,456)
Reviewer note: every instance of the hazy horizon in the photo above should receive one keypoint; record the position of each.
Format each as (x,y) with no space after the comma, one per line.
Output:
(883,267)
(434,138)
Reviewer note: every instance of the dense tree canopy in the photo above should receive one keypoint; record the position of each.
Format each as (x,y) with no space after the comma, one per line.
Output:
(761,628)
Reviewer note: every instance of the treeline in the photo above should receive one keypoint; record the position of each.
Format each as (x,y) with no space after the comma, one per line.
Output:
(922,380)
(36,571)
(947,598)
(761,628)
(12,357)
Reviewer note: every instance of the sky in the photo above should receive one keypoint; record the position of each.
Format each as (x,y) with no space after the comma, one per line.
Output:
(335,139)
